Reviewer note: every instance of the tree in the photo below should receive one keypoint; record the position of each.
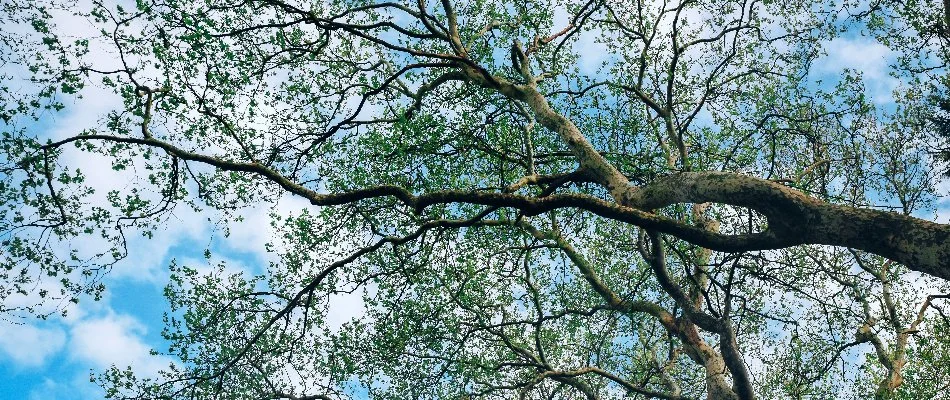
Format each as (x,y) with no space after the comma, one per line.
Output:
(546,200)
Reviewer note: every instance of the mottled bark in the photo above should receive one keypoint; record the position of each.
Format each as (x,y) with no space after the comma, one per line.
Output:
(794,218)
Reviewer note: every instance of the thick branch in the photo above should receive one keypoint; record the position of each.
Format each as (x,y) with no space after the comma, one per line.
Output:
(795,218)
(587,156)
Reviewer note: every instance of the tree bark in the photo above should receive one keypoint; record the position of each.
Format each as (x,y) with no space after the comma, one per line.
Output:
(794,218)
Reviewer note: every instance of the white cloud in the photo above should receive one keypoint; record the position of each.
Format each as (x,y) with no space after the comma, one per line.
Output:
(942,213)
(253,233)
(114,340)
(862,54)
(343,308)
(78,387)
(30,346)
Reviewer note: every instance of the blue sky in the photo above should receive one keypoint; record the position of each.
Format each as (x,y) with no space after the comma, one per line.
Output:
(53,359)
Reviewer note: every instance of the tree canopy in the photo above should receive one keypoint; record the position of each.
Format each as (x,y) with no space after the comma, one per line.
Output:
(566,199)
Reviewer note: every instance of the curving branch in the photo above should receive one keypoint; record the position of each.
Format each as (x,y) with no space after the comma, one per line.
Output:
(793,217)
